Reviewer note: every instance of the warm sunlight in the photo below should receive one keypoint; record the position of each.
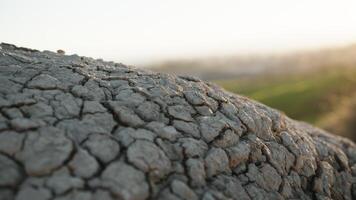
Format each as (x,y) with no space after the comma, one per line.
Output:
(139,32)
(177,99)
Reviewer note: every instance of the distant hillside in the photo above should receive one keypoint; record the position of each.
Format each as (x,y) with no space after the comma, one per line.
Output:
(342,120)
(326,99)
(317,86)
(235,66)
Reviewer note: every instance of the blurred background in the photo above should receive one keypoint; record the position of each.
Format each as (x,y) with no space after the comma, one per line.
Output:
(296,56)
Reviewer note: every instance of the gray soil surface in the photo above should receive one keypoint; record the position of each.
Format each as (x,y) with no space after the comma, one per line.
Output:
(74,127)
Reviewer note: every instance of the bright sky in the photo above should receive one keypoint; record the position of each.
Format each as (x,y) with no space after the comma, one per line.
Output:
(137,32)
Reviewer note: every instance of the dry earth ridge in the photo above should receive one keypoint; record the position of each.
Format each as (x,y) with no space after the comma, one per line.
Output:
(74,127)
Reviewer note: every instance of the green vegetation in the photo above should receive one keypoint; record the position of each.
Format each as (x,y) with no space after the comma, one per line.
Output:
(303,97)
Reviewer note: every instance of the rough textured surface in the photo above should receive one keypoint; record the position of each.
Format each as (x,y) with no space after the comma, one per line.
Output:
(77,128)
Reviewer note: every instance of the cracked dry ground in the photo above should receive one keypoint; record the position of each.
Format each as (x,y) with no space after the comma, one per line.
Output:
(77,128)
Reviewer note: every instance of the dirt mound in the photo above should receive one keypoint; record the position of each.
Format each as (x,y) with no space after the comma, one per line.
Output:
(73,127)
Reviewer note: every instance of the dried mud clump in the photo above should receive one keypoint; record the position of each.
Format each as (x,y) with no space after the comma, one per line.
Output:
(73,127)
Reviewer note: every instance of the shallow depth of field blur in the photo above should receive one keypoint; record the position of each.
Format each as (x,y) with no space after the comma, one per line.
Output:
(318,87)
(296,56)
